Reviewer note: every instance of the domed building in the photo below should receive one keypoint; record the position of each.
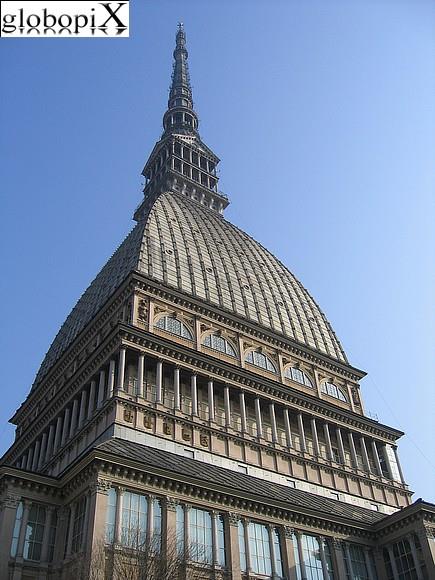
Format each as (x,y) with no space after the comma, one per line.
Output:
(197,399)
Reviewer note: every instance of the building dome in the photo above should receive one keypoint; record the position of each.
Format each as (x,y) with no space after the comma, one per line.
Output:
(188,247)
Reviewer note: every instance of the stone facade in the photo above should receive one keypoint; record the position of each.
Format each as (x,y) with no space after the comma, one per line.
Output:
(198,379)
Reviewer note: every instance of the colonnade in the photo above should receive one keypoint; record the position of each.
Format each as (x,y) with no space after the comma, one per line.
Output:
(256,416)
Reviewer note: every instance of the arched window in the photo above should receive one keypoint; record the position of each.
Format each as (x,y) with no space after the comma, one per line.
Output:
(174,326)
(295,374)
(333,391)
(216,342)
(260,360)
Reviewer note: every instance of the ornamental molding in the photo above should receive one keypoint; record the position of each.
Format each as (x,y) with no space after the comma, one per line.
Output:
(67,358)
(65,395)
(160,346)
(136,478)
(189,424)
(239,325)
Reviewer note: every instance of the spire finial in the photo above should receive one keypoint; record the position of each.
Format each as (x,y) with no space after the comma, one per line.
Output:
(180,116)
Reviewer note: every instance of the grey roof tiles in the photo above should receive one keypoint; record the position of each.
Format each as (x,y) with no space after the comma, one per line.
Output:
(185,246)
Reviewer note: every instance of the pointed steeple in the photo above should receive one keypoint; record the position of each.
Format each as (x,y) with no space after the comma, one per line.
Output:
(180,161)
(180,116)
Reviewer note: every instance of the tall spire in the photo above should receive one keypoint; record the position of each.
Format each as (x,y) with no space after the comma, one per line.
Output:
(180,161)
(180,116)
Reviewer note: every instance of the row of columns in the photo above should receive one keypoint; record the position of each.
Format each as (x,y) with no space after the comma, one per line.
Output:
(73,417)
(86,402)
(273,422)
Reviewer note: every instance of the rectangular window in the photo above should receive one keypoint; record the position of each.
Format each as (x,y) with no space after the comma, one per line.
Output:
(200,535)
(79,525)
(34,533)
(355,561)
(110,516)
(312,558)
(180,529)
(259,548)
(220,538)
(134,520)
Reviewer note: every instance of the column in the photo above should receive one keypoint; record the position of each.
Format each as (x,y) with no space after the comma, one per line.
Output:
(72,514)
(85,523)
(29,459)
(302,432)
(65,429)
(177,398)
(42,450)
(111,379)
(121,369)
(150,516)
(72,426)
(272,550)
(340,445)
(365,455)
(49,510)
(328,441)
(227,406)
(7,522)
(211,413)
(258,417)
(323,557)
(353,450)
(233,553)
(96,525)
(140,374)
(101,382)
(315,437)
(301,556)
(289,562)
(388,462)
(243,419)
(170,541)
(288,430)
(194,394)
(118,514)
(214,538)
(399,467)
(376,457)
(415,557)
(36,455)
(159,375)
(49,450)
(22,536)
(82,411)
(91,401)
(58,434)
(273,422)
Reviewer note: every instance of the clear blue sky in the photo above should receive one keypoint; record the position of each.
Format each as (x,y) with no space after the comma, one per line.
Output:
(323,114)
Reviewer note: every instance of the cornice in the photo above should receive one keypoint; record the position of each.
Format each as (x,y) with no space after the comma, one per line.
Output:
(218,367)
(299,457)
(134,472)
(69,355)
